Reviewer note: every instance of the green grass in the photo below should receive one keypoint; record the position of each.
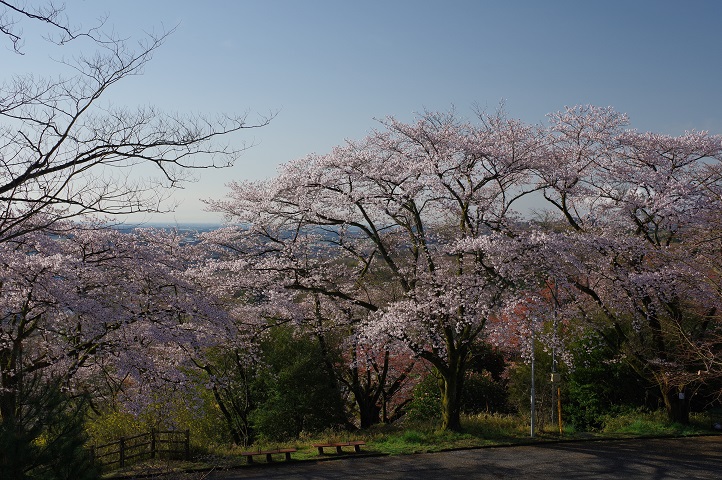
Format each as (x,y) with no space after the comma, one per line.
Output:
(421,437)
(643,424)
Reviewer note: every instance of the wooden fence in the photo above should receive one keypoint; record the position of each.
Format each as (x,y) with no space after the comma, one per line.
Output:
(154,444)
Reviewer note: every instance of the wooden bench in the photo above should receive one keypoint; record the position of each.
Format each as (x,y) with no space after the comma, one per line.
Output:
(268,453)
(339,445)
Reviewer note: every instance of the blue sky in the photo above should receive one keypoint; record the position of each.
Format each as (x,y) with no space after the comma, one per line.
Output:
(329,68)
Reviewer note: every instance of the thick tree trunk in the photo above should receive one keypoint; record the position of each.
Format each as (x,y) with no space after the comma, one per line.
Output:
(369,412)
(451,384)
(450,404)
(676,402)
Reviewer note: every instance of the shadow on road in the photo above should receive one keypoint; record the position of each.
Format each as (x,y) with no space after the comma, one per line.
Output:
(657,459)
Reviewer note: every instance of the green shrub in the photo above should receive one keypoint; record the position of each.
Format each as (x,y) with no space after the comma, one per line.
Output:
(297,393)
(426,401)
(111,425)
(600,387)
(519,389)
(197,411)
(482,394)
(583,408)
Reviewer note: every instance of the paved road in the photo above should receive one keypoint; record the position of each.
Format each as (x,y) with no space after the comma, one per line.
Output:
(658,459)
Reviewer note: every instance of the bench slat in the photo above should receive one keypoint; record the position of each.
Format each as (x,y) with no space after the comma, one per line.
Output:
(356,444)
(268,453)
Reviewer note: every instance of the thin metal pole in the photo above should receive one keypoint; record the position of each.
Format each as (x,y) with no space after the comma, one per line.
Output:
(533,391)
(555,296)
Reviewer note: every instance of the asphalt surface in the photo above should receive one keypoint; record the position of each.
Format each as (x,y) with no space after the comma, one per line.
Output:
(684,458)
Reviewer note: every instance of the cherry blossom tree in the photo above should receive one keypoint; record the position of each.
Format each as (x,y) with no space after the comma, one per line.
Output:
(640,216)
(383,215)
(380,375)
(94,311)
(374,373)
(257,273)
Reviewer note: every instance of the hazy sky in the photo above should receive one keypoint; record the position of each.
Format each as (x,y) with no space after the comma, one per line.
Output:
(330,67)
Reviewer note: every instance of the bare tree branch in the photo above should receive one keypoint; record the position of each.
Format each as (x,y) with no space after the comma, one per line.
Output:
(50,14)
(64,152)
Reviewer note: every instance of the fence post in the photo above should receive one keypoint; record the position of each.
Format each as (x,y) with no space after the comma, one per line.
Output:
(122,452)
(152,443)
(188,445)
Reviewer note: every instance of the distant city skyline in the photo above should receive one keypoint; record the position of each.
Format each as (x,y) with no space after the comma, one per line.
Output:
(328,68)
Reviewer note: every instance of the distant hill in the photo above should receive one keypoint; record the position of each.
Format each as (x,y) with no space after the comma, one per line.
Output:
(181,227)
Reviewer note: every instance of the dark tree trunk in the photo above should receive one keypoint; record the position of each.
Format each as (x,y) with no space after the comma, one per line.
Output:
(369,412)
(451,384)
(676,402)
